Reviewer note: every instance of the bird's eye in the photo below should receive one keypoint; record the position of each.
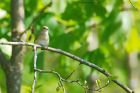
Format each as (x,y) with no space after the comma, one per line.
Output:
(45,27)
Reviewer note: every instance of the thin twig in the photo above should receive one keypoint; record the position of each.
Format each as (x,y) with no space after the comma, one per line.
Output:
(82,61)
(35,73)
(107,83)
(57,74)
(61,80)
(72,72)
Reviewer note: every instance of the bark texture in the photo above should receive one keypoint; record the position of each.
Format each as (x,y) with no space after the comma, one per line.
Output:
(14,67)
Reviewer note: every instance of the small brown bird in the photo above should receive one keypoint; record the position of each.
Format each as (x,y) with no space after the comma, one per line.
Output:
(43,38)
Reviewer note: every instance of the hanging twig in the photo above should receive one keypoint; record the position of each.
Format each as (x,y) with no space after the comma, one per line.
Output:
(35,73)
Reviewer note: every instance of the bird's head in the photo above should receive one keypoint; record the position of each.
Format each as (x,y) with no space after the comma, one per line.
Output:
(45,28)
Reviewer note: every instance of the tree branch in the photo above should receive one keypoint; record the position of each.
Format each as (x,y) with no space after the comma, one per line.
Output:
(82,61)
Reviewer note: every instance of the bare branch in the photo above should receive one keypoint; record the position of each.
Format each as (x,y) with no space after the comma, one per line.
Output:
(82,61)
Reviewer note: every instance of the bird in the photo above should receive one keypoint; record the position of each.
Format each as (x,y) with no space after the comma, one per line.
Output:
(43,38)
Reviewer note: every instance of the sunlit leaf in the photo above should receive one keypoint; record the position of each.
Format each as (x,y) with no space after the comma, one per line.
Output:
(133,41)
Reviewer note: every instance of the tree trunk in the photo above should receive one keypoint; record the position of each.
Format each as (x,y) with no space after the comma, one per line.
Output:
(93,45)
(14,68)
(134,71)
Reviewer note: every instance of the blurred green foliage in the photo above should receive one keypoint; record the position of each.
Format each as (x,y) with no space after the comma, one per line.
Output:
(70,23)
